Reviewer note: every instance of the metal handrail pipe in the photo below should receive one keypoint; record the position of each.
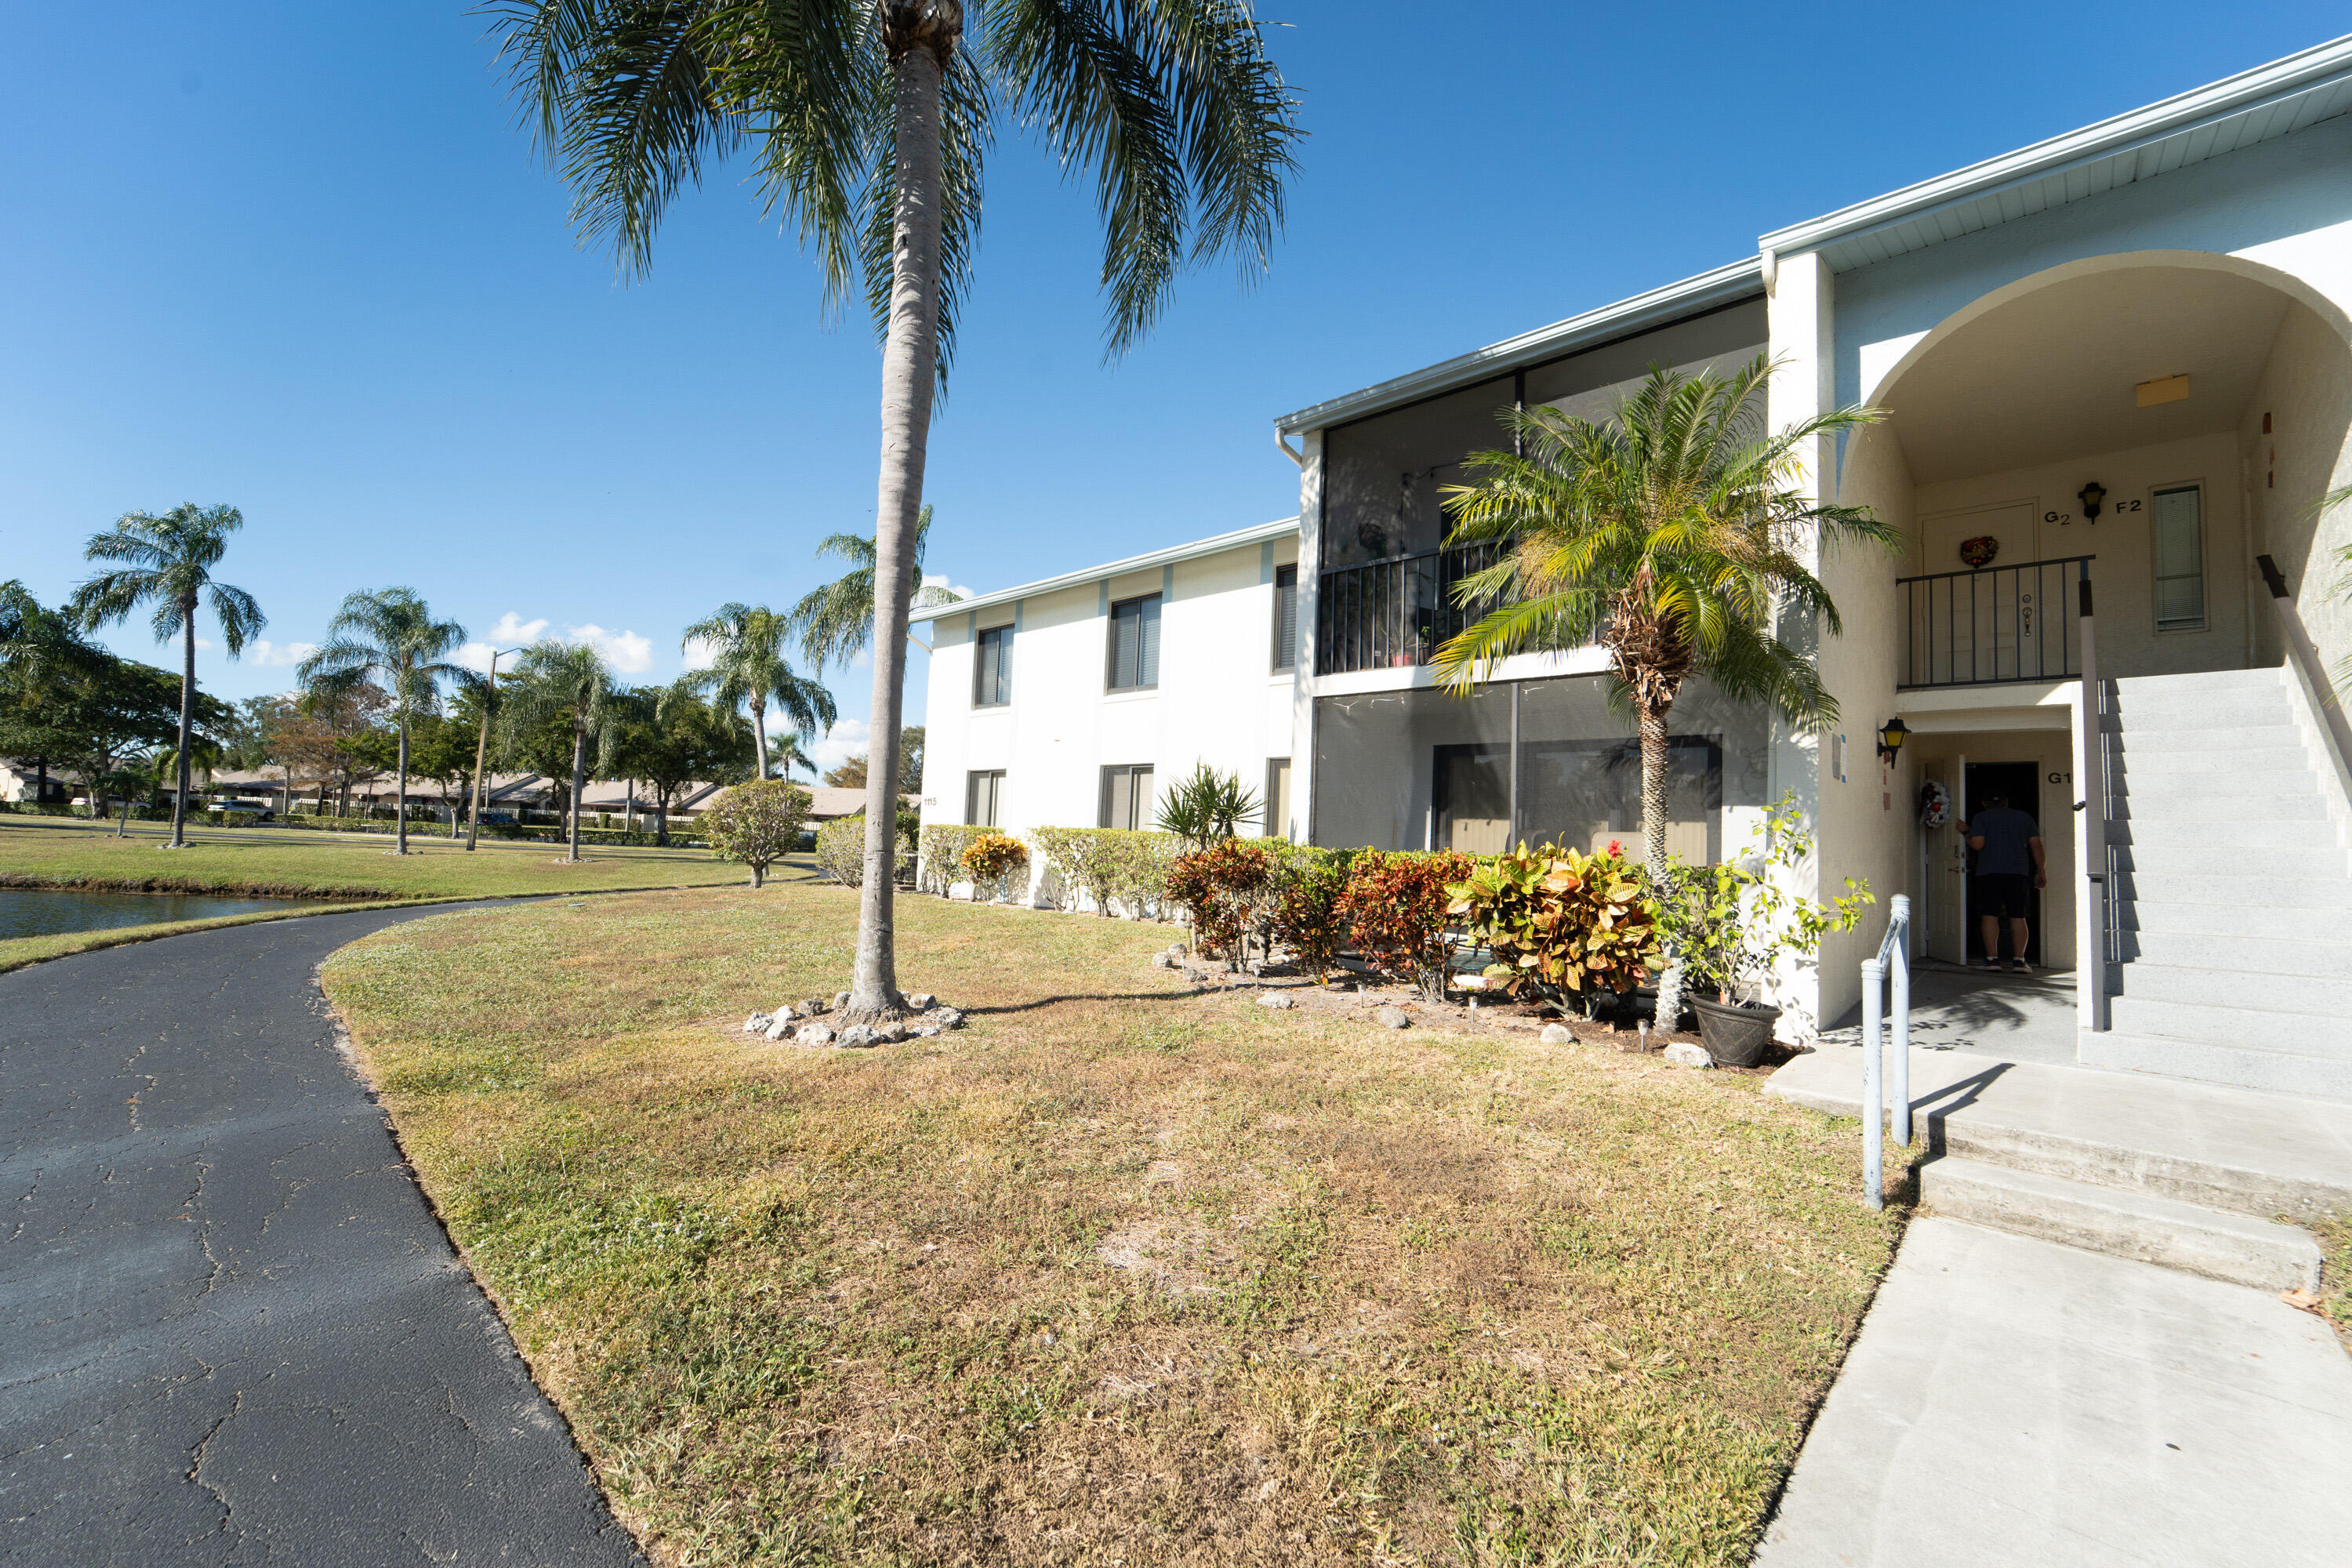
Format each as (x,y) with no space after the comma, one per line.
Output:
(1989,570)
(1889,970)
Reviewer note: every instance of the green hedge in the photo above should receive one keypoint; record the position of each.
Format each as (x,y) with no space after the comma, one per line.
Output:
(83,813)
(680,838)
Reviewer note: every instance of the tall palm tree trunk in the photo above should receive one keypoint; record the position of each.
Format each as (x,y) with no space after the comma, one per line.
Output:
(187,718)
(760,735)
(910,370)
(579,780)
(1655,756)
(400,825)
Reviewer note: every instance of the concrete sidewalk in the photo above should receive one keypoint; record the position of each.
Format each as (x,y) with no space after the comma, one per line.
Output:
(2014,1402)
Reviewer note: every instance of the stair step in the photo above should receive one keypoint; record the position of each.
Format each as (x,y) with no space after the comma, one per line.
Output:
(2307,1074)
(2227,859)
(2305,893)
(2159,834)
(2231,736)
(2194,805)
(2222,787)
(2260,762)
(2269,675)
(2233,918)
(2232,953)
(2238,1248)
(2326,999)
(2232,1024)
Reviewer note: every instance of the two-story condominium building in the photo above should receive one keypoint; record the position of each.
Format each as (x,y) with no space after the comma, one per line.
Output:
(2116,368)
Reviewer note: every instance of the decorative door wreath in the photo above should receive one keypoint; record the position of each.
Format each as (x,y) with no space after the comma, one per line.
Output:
(1977,553)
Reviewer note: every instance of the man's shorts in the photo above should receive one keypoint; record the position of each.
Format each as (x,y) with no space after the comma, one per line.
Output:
(2009,894)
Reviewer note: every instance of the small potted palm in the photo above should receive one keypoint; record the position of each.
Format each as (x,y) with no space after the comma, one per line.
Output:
(1737,920)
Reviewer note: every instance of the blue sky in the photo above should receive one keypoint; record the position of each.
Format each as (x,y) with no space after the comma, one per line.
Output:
(300,259)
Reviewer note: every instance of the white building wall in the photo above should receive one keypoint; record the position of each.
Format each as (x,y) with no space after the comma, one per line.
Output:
(1218,700)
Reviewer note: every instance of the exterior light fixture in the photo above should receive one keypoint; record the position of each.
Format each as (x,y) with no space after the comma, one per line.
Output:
(2091,495)
(1890,738)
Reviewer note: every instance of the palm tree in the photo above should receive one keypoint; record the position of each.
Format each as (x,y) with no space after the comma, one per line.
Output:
(170,560)
(870,119)
(1677,525)
(389,633)
(835,623)
(748,667)
(570,679)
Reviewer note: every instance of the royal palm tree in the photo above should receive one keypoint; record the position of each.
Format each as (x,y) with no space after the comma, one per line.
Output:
(1679,525)
(835,623)
(168,561)
(388,634)
(571,680)
(869,119)
(748,669)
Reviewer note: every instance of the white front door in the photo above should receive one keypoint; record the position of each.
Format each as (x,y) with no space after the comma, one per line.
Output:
(1944,860)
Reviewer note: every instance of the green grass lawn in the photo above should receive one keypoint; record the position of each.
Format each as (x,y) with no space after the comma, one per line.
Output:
(1122,1272)
(37,851)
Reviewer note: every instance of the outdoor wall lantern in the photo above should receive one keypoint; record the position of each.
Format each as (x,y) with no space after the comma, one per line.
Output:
(1890,738)
(2091,495)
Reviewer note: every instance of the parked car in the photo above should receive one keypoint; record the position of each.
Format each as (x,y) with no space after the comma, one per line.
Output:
(499,819)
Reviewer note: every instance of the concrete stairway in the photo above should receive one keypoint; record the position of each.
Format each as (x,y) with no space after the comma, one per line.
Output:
(2234,894)
(2192,1176)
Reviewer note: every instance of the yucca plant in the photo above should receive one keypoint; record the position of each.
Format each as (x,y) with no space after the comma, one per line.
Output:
(1207,807)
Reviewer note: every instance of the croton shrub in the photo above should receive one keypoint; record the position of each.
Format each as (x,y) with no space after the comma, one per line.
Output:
(1559,922)
(1221,886)
(1305,908)
(992,857)
(1395,906)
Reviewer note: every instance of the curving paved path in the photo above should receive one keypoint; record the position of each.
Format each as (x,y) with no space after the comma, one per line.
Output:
(231,1330)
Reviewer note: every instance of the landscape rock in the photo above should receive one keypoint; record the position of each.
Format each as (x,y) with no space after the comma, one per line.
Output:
(1391,1017)
(948,1018)
(840,1000)
(1279,1000)
(757,1023)
(1682,1053)
(857,1037)
(1161,961)
(924,1031)
(781,1029)
(890,1034)
(1556,1034)
(922,1001)
(814,1034)
(813,1007)
(1177,950)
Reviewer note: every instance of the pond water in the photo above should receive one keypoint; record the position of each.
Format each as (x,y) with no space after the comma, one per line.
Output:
(45,912)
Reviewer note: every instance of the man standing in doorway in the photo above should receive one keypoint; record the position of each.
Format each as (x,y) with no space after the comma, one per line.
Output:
(2008,843)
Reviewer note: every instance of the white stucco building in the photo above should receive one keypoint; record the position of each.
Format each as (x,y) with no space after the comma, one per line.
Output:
(2151,314)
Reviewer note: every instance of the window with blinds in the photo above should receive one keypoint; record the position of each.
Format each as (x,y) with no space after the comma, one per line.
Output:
(991,667)
(1277,811)
(1286,618)
(1127,795)
(983,798)
(2177,536)
(1135,644)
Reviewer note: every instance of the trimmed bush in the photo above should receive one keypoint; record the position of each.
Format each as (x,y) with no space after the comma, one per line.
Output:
(1395,903)
(1221,886)
(941,847)
(1305,913)
(1107,864)
(841,847)
(757,822)
(1559,922)
(994,858)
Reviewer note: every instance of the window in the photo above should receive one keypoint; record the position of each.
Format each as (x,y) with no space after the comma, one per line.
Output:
(2178,535)
(1286,618)
(1135,644)
(1127,795)
(983,797)
(1278,798)
(991,667)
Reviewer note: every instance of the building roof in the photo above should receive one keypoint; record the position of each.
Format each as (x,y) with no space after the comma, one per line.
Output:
(1173,553)
(2259,105)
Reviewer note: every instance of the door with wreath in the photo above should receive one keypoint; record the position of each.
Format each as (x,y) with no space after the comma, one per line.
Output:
(1969,615)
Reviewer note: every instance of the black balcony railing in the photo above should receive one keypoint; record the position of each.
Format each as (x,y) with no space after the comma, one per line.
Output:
(1393,614)
(2001,624)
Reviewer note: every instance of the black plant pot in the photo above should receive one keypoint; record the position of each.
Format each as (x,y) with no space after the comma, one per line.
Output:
(1735,1033)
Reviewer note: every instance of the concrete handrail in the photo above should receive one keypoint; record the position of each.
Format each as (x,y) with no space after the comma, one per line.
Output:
(1890,968)
(2303,655)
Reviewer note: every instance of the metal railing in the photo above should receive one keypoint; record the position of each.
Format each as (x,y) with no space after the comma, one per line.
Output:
(1890,969)
(1393,614)
(1995,624)
(2100,919)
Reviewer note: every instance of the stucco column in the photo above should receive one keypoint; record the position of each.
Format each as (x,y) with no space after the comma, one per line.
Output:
(1302,687)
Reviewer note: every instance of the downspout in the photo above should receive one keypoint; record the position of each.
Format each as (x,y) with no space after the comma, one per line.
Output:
(1293,452)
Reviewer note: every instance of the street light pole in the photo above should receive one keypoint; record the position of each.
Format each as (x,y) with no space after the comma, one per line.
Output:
(482,749)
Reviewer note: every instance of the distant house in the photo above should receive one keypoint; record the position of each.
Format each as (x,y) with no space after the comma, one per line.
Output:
(36,784)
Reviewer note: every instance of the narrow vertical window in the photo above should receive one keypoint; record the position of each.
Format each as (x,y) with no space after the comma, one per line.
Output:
(992,671)
(983,798)
(1286,618)
(1134,651)
(1127,795)
(2176,534)
(1278,798)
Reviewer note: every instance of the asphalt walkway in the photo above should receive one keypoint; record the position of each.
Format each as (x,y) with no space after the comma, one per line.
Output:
(231,1330)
